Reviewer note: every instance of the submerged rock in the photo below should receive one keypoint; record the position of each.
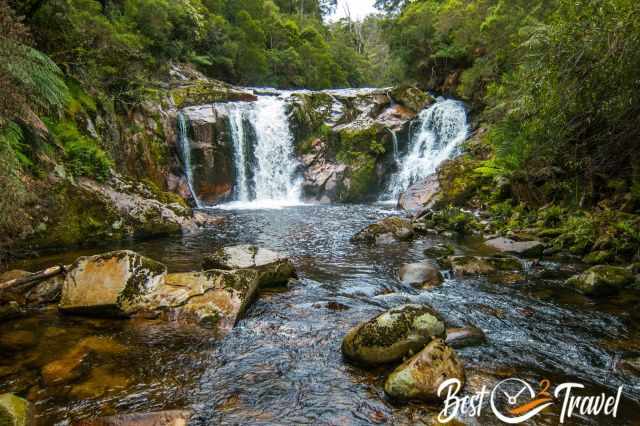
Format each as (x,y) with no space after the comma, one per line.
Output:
(423,275)
(477,265)
(100,381)
(15,341)
(111,284)
(10,311)
(392,335)
(387,230)
(273,268)
(160,418)
(601,280)
(463,337)
(419,377)
(15,411)
(521,248)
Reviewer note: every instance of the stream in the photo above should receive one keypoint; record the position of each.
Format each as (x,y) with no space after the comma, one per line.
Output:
(282,363)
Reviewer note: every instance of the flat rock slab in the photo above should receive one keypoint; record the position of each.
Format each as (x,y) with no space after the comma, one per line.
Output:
(424,194)
(522,248)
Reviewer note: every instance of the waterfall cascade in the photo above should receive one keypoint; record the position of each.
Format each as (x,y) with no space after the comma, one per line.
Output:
(185,154)
(442,128)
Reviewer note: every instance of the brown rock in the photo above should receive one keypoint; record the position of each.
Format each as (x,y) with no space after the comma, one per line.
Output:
(160,418)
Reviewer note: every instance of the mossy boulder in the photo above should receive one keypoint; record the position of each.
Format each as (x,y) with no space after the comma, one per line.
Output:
(477,265)
(15,411)
(439,250)
(392,335)
(419,377)
(411,97)
(212,299)
(598,257)
(273,268)
(601,280)
(422,275)
(207,92)
(112,284)
(387,230)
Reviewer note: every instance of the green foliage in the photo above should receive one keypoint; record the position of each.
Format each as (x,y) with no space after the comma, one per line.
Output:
(452,219)
(83,156)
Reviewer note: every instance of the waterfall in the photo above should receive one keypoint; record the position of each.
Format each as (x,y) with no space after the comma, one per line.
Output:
(263,150)
(394,140)
(185,152)
(442,128)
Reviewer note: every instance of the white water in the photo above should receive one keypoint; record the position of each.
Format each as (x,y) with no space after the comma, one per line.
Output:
(185,150)
(274,183)
(443,127)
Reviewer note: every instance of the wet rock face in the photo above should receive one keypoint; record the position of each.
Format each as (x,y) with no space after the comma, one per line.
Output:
(272,267)
(421,195)
(601,280)
(161,418)
(521,248)
(114,284)
(387,230)
(421,275)
(392,335)
(15,411)
(419,377)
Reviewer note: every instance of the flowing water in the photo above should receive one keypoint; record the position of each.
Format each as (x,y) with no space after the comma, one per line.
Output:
(282,363)
(185,155)
(442,129)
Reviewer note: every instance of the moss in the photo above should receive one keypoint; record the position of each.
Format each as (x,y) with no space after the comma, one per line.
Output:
(393,326)
(204,92)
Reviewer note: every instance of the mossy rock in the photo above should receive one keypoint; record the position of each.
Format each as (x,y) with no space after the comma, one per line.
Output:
(439,250)
(207,92)
(391,228)
(478,265)
(392,335)
(602,280)
(598,257)
(411,97)
(15,411)
(420,377)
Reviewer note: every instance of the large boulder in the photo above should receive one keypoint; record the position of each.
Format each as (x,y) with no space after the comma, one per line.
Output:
(160,418)
(273,268)
(424,194)
(521,248)
(419,377)
(423,275)
(601,280)
(112,284)
(213,299)
(477,265)
(392,335)
(15,411)
(387,230)
(411,97)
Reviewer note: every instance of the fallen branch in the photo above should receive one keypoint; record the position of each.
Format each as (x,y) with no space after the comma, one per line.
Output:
(26,283)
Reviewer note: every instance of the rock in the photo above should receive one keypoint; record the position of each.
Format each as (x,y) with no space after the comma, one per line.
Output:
(73,365)
(15,411)
(389,229)
(160,418)
(112,284)
(205,92)
(419,377)
(213,299)
(424,194)
(423,275)
(11,310)
(598,257)
(630,365)
(100,381)
(274,269)
(46,293)
(476,265)
(601,280)
(392,335)
(439,250)
(521,248)
(411,97)
(203,219)
(462,337)
(16,341)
